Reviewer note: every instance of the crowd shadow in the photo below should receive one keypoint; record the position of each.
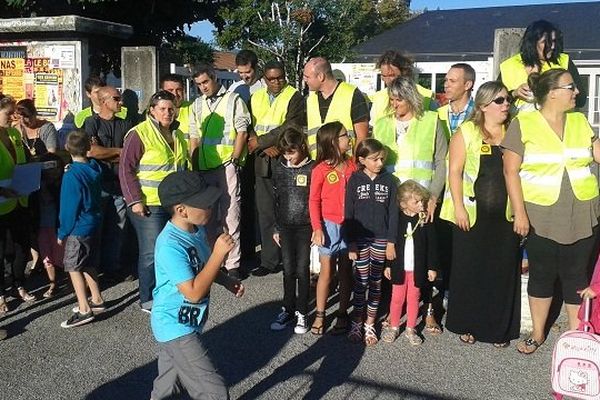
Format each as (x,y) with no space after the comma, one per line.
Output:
(244,345)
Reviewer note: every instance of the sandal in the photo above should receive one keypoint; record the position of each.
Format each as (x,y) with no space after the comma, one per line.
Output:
(467,338)
(318,329)
(51,292)
(502,345)
(412,336)
(370,335)
(390,334)
(431,325)
(24,295)
(3,305)
(341,325)
(355,334)
(528,346)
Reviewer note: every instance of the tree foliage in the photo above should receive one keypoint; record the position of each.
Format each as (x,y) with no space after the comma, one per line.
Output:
(159,23)
(153,20)
(292,31)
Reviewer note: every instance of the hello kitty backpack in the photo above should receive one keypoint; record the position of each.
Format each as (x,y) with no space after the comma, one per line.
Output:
(576,362)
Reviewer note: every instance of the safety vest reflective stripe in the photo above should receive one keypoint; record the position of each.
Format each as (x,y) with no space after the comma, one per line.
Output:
(142,167)
(158,160)
(546,158)
(473,139)
(267,115)
(339,110)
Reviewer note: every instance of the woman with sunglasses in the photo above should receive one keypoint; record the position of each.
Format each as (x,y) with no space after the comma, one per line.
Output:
(39,135)
(541,50)
(152,150)
(416,149)
(554,195)
(484,285)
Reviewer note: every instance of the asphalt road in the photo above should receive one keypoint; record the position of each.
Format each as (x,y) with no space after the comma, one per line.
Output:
(114,357)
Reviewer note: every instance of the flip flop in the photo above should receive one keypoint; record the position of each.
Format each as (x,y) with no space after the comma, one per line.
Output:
(467,338)
(531,345)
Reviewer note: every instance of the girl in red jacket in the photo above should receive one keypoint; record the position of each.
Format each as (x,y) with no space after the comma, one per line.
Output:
(326,207)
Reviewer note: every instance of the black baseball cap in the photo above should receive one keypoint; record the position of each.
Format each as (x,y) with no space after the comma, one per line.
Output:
(189,188)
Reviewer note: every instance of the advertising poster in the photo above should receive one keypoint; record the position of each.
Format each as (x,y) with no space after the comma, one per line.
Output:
(12,77)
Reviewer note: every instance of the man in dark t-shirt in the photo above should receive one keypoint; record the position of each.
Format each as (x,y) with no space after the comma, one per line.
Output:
(107,132)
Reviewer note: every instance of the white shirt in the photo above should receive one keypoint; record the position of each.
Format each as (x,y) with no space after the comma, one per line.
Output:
(409,250)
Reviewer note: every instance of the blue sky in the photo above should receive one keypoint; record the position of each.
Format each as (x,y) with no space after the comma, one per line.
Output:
(204,29)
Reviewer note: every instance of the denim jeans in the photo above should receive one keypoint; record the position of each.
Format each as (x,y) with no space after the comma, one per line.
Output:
(112,237)
(295,251)
(147,230)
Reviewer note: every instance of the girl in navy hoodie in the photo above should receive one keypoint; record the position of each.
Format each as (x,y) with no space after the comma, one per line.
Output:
(370,223)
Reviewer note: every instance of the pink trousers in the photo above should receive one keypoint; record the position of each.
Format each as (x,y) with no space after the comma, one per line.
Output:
(408,292)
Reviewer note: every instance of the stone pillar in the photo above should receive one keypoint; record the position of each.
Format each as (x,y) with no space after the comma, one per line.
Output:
(507,42)
(139,72)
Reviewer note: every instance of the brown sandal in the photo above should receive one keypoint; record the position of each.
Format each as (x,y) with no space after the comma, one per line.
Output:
(431,325)
(318,329)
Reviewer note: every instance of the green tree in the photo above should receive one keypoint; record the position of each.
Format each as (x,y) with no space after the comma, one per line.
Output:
(292,31)
(154,22)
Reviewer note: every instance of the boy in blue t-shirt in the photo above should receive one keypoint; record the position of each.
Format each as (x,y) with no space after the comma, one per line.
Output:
(185,270)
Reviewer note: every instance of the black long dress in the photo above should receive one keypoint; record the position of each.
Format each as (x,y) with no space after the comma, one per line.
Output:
(484,297)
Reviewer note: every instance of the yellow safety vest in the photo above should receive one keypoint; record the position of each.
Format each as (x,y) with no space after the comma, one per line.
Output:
(82,115)
(413,159)
(546,157)
(158,160)
(183,117)
(514,73)
(443,116)
(473,142)
(381,102)
(267,116)
(7,166)
(339,110)
(216,130)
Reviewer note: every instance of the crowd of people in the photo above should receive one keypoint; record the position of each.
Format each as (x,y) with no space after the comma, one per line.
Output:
(432,199)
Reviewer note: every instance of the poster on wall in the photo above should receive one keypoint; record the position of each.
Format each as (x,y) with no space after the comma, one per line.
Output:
(12,77)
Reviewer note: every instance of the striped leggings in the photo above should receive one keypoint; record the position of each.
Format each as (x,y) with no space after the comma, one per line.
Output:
(368,270)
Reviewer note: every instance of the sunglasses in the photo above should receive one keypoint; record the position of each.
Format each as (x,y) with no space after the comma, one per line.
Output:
(500,100)
(571,86)
(116,98)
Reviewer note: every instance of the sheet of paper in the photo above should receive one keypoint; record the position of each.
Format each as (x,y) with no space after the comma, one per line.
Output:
(25,179)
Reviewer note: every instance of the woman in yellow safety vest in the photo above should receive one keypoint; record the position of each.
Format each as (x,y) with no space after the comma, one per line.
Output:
(416,149)
(485,280)
(541,50)
(14,216)
(554,196)
(152,150)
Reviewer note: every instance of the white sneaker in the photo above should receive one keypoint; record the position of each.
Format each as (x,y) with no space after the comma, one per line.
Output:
(301,325)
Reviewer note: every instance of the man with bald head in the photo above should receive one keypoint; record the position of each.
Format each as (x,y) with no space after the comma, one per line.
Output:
(330,100)
(107,132)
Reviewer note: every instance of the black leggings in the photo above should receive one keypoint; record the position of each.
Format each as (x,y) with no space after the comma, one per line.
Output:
(295,251)
(14,245)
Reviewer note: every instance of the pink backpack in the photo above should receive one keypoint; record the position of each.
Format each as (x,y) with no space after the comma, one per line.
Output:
(576,363)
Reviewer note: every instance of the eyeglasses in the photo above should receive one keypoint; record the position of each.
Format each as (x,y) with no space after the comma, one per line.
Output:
(500,100)
(571,86)
(280,78)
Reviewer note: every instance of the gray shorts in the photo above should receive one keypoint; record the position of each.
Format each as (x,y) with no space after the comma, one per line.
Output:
(80,252)
(184,362)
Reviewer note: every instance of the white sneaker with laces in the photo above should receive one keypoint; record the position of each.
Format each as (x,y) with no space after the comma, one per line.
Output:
(301,325)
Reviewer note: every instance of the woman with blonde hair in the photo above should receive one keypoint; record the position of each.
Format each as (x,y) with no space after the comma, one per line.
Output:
(484,285)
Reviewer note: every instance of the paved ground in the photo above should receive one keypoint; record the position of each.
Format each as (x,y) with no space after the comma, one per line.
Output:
(114,357)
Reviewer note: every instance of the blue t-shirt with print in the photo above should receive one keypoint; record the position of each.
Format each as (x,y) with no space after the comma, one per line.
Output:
(178,257)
